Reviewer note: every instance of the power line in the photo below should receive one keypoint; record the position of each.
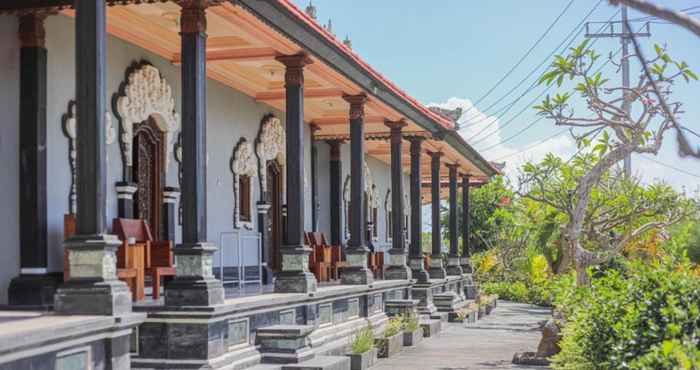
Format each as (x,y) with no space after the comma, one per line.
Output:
(670,166)
(532,87)
(548,57)
(542,117)
(532,48)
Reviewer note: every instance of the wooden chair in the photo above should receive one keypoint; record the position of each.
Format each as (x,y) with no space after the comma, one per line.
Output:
(158,258)
(336,261)
(322,256)
(128,275)
(379,274)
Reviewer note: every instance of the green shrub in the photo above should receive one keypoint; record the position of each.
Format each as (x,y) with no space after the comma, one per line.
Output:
(410,323)
(363,340)
(671,354)
(394,326)
(627,315)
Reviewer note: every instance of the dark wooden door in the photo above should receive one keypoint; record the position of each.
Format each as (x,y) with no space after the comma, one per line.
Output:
(275,189)
(148,173)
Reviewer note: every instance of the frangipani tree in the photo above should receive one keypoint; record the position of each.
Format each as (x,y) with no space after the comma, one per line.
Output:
(619,210)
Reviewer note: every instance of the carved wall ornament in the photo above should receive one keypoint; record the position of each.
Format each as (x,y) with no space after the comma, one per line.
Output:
(70,131)
(242,164)
(270,145)
(146,94)
(177,149)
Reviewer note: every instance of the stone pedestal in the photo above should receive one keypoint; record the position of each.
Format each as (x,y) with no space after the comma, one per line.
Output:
(466,265)
(295,276)
(424,294)
(437,271)
(194,283)
(284,344)
(33,290)
(418,270)
(403,307)
(453,267)
(93,288)
(356,273)
(397,269)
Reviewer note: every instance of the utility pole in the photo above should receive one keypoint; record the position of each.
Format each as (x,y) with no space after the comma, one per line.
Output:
(608,30)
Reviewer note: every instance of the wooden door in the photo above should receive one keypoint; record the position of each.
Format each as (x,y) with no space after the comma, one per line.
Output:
(148,173)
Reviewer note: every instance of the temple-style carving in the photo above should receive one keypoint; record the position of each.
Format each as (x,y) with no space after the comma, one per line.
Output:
(242,164)
(269,145)
(32,33)
(69,131)
(145,95)
(357,105)
(193,16)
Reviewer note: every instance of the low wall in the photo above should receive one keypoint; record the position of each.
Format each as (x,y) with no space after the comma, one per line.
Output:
(224,335)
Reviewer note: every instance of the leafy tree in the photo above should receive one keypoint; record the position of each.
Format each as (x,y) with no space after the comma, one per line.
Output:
(618,210)
(631,122)
(491,212)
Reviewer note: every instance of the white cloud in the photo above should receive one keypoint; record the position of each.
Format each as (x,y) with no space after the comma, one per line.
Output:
(488,128)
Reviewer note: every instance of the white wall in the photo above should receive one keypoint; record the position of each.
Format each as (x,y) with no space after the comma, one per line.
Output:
(9,152)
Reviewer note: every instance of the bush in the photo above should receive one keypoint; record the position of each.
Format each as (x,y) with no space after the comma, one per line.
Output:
(410,323)
(363,340)
(628,315)
(671,354)
(394,326)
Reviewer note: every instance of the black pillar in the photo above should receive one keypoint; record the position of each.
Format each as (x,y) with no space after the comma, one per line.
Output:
(194,283)
(336,191)
(170,198)
(466,221)
(356,252)
(416,249)
(398,268)
(295,276)
(453,267)
(314,181)
(93,287)
(33,286)
(125,199)
(437,271)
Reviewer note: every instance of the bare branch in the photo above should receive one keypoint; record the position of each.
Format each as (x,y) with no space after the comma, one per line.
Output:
(683,20)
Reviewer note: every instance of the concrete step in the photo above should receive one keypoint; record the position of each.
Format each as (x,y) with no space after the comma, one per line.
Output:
(321,363)
(265,367)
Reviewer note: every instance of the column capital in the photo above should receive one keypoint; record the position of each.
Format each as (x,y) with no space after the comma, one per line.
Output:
(32,33)
(357,105)
(294,74)
(314,128)
(452,165)
(435,155)
(193,16)
(395,125)
(335,145)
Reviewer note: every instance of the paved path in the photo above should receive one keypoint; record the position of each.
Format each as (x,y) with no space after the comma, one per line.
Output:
(487,344)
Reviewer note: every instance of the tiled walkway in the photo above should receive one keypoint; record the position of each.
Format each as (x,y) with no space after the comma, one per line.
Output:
(487,344)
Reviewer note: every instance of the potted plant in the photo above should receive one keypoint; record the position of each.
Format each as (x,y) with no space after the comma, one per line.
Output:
(391,341)
(362,354)
(412,332)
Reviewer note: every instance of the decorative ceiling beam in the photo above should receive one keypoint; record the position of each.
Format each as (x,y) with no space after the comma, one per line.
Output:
(238,54)
(308,94)
(368,136)
(12,6)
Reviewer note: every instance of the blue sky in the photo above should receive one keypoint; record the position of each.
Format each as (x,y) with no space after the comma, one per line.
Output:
(451,52)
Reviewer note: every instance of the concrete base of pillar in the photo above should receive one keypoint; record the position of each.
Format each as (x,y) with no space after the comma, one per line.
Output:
(418,270)
(93,288)
(295,282)
(33,290)
(454,270)
(437,272)
(93,298)
(183,291)
(398,273)
(356,273)
(356,276)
